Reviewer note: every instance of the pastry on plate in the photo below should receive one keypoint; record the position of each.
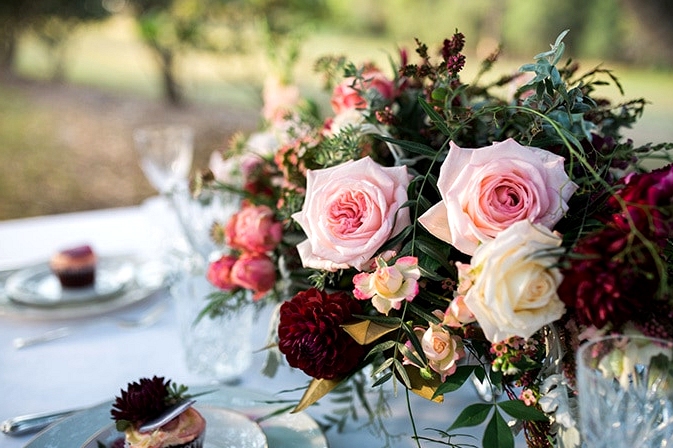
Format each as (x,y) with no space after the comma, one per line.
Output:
(148,399)
(75,267)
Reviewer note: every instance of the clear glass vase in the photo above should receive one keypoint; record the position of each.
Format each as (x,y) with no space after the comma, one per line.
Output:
(216,348)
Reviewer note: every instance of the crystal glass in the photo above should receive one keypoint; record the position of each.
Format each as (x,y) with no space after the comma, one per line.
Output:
(625,386)
(165,153)
(216,348)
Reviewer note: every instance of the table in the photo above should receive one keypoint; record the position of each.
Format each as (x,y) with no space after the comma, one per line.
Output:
(99,358)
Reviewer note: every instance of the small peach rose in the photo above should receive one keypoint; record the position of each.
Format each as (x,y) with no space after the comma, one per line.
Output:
(389,286)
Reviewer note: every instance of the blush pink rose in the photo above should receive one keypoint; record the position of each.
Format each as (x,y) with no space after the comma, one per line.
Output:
(256,272)
(254,229)
(349,93)
(349,212)
(219,273)
(486,190)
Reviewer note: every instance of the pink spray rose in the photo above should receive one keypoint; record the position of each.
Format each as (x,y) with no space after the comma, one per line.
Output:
(256,272)
(457,314)
(486,190)
(254,229)
(349,212)
(349,94)
(219,273)
(388,286)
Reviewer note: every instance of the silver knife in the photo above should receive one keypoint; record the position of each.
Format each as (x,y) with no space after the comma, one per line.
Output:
(30,423)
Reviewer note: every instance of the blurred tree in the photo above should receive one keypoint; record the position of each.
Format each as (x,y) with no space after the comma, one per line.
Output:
(655,33)
(53,21)
(172,27)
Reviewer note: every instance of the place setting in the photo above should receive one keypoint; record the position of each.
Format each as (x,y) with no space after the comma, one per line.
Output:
(234,417)
(35,291)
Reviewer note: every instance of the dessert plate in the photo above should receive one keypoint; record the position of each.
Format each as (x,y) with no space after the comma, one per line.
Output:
(34,292)
(224,429)
(37,285)
(281,430)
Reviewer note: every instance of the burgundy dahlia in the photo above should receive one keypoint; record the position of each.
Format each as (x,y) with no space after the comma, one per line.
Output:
(311,337)
(612,278)
(142,401)
(648,198)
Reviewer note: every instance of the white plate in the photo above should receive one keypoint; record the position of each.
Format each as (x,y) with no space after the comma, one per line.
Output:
(38,286)
(135,280)
(224,429)
(283,430)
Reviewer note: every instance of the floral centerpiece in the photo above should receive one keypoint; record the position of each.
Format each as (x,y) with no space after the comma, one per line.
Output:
(434,230)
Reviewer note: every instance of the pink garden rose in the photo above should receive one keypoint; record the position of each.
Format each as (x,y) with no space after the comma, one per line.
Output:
(388,286)
(349,94)
(349,212)
(254,229)
(219,273)
(256,272)
(486,190)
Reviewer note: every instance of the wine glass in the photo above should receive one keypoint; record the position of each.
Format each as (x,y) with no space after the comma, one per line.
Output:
(625,387)
(166,153)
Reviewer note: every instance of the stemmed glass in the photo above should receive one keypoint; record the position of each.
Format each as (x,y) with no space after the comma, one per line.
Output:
(625,387)
(166,153)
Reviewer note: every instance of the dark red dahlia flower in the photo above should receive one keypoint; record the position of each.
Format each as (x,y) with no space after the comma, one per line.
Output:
(141,401)
(612,277)
(311,337)
(648,198)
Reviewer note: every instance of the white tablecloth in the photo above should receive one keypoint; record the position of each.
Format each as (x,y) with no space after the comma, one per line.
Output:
(99,358)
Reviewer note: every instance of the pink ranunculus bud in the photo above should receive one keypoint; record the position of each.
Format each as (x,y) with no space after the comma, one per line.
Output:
(219,273)
(256,272)
(349,94)
(254,229)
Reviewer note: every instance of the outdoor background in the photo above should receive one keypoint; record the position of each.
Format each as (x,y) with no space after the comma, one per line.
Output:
(77,76)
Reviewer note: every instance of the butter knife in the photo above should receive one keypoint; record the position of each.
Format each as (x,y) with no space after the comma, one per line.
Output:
(30,423)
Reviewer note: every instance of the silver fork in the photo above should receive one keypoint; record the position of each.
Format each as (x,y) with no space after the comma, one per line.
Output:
(148,318)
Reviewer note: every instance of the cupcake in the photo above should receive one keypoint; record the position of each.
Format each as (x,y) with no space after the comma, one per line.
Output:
(147,400)
(74,267)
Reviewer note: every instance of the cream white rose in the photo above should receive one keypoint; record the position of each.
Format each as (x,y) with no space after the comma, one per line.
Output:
(349,212)
(515,281)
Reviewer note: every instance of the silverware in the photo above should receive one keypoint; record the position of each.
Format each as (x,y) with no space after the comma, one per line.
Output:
(167,416)
(147,319)
(30,423)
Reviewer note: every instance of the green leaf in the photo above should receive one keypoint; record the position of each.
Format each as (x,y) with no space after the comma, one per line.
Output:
(455,381)
(519,410)
(436,119)
(498,433)
(473,415)
(416,148)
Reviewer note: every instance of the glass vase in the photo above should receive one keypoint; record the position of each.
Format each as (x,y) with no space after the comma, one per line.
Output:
(217,348)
